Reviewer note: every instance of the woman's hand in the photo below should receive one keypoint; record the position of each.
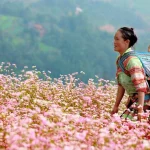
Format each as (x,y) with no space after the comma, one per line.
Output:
(141,96)
(140,112)
(115,110)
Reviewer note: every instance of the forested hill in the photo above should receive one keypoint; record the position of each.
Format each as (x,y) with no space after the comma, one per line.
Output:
(67,36)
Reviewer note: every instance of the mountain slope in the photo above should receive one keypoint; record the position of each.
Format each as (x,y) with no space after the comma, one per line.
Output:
(66,36)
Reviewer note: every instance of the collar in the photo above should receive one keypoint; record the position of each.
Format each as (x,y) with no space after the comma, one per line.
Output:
(128,50)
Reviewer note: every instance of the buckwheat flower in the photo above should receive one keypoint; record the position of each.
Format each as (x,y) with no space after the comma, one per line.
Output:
(32,133)
(37,141)
(29,73)
(96,76)
(116,118)
(75,73)
(14,65)
(140,106)
(69,147)
(82,72)
(102,94)
(112,126)
(49,97)
(26,97)
(17,94)
(15,138)
(81,135)
(83,146)
(104,130)
(15,147)
(83,120)
(33,66)
(91,148)
(46,122)
(38,110)
(87,99)
(146,144)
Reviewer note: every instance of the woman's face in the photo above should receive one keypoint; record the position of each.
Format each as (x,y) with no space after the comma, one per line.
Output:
(120,45)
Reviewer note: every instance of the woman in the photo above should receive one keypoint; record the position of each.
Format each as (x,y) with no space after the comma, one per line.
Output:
(134,84)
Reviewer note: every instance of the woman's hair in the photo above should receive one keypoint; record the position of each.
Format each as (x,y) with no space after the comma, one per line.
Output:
(128,34)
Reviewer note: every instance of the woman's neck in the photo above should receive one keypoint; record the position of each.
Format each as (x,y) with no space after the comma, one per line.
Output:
(122,52)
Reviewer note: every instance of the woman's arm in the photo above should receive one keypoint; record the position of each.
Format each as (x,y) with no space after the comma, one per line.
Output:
(120,94)
(137,74)
(141,96)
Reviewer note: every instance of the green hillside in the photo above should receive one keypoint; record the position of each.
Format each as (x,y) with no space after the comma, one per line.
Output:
(66,36)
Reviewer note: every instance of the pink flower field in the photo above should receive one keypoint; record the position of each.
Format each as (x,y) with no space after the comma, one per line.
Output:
(64,114)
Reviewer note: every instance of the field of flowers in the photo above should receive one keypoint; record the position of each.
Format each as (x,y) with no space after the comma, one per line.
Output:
(64,114)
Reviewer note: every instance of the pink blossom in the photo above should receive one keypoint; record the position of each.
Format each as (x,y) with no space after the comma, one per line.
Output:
(81,135)
(87,99)
(75,119)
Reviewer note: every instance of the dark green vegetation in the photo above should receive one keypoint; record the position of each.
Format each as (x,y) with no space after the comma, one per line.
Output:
(50,35)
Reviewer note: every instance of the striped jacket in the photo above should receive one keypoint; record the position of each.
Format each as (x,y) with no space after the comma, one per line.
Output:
(135,80)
